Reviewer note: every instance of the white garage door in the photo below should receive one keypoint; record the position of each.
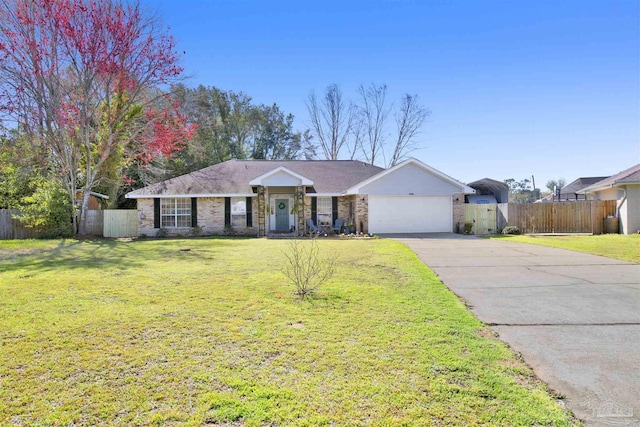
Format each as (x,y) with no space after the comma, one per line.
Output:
(410,214)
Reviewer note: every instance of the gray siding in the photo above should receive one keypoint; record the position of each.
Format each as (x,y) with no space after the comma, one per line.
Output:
(410,179)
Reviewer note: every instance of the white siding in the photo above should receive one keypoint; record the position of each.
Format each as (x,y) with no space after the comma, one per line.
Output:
(281,179)
(410,179)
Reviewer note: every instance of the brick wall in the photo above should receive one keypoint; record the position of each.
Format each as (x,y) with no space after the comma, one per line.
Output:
(145,217)
(458,212)
(346,207)
(362,213)
(307,209)
(211,215)
(210,218)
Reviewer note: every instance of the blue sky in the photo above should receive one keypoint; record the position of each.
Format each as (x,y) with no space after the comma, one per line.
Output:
(515,88)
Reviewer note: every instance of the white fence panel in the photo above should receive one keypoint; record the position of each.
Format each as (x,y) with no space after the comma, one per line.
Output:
(120,223)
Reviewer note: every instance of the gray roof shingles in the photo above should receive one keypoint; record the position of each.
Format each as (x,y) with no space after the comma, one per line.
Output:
(580,183)
(233,176)
(627,176)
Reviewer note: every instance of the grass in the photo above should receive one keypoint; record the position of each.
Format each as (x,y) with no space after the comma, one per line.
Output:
(147,333)
(619,246)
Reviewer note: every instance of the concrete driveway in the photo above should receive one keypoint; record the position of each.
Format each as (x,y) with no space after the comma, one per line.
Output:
(574,317)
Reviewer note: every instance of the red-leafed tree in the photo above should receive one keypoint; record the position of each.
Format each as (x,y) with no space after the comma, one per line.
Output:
(81,78)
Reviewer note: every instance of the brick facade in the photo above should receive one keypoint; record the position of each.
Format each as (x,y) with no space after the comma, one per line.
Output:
(210,218)
(145,218)
(346,208)
(362,213)
(458,212)
(211,215)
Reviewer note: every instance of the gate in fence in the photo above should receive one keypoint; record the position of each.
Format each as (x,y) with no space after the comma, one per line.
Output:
(120,223)
(482,217)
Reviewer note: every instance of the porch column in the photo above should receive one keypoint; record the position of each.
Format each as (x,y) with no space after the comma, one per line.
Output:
(299,201)
(262,212)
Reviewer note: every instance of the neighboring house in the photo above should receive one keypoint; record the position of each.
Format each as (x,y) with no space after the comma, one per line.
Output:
(489,191)
(267,196)
(570,192)
(625,188)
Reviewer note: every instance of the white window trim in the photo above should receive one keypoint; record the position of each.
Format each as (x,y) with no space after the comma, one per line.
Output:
(174,215)
(238,216)
(326,211)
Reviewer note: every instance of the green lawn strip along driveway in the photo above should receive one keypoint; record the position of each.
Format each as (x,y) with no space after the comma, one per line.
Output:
(147,333)
(619,246)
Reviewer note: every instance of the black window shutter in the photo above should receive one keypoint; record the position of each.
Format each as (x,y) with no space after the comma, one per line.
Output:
(314,210)
(249,213)
(156,213)
(334,209)
(227,211)
(194,211)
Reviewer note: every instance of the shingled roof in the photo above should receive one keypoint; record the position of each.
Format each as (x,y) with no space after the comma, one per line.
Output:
(573,187)
(627,176)
(233,176)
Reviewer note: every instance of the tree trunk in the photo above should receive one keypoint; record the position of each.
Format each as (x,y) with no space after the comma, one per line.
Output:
(83,211)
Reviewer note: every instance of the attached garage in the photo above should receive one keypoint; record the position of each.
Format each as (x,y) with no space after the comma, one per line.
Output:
(411,197)
(410,214)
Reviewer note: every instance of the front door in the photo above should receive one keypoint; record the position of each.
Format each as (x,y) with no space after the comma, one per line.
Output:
(282,214)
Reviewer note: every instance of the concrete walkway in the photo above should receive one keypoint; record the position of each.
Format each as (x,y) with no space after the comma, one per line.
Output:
(574,317)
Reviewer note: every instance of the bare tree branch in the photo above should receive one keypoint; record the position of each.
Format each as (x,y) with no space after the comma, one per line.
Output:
(306,269)
(331,120)
(410,117)
(373,112)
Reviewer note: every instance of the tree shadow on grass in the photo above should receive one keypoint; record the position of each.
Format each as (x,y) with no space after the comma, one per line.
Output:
(22,248)
(109,255)
(75,254)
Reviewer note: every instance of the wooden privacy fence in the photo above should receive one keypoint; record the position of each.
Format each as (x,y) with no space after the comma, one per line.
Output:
(558,217)
(95,222)
(11,228)
(561,217)
(120,223)
(107,223)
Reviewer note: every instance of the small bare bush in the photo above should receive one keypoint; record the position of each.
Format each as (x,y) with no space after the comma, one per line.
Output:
(306,268)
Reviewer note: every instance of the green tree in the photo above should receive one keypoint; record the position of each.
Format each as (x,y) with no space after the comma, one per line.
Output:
(20,161)
(48,209)
(274,136)
(228,125)
(71,73)
(521,191)
(231,126)
(554,184)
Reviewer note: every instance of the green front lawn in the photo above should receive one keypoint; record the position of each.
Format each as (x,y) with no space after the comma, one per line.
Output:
(148,333)
(620,246)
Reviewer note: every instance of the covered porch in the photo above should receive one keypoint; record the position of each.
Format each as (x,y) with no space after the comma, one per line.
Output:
(287,200)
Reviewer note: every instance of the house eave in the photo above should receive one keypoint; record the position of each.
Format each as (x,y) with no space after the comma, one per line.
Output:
(604,187)
(173,196)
